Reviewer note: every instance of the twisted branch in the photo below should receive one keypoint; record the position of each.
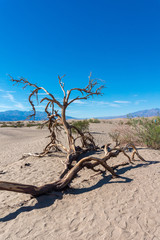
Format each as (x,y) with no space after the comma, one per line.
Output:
(89,162)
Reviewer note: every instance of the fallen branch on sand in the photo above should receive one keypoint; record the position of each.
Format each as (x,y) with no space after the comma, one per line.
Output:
(89,162)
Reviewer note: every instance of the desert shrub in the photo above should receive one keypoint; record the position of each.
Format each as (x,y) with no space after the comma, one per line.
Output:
(40,126)
(94,120)
(4,125)
(148,131)
(120,122)
(82,125)
(34,124)
(30,125)
(142,131)
(115,136)
(13,124)
(109,122)
(18,124)
(134,121)
(124,134)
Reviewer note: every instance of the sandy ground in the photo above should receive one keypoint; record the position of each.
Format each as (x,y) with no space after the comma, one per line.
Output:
(95,207)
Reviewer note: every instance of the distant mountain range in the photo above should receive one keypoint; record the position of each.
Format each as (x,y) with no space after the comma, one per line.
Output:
(143,113)
(16,115)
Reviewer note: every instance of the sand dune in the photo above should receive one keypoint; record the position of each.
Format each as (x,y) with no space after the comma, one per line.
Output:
(95,207)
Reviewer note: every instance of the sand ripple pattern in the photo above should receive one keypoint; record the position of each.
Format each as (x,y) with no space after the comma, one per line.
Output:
(102,208)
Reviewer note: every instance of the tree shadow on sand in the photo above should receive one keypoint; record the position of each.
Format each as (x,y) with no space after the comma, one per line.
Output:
(48,200)
(42,202)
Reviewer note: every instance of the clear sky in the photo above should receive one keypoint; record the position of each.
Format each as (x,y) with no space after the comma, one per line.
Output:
(118,41)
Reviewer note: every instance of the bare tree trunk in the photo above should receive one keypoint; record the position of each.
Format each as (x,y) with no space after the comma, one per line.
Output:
(71,155)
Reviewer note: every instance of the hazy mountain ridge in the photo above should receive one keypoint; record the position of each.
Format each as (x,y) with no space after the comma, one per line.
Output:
(15,115)
(143,113)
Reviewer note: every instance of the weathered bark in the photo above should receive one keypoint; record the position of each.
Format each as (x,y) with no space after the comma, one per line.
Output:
(58,185)
(89,162)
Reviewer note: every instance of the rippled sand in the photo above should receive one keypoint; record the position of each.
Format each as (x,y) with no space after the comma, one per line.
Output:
(95,207)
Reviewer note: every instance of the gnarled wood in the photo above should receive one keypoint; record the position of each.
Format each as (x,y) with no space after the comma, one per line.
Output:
(89,162)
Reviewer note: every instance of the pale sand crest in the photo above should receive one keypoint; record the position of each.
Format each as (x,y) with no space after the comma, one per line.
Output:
(97,207)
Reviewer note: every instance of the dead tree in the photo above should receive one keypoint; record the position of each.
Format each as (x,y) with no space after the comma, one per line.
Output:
(56,122)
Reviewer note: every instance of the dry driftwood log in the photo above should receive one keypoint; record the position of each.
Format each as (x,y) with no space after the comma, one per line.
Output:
(56,123)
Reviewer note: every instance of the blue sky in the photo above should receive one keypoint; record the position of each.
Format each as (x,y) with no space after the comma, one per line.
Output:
(118,41)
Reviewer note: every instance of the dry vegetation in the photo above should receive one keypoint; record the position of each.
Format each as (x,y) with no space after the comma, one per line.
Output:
(140,131)
(20,124)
